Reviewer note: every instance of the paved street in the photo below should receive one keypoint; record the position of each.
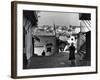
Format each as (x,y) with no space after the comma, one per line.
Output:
(57,60)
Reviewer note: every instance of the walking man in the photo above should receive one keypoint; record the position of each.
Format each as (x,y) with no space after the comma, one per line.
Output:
(72,54)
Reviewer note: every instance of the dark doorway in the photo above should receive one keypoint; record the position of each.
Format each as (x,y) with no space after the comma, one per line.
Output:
(49,49)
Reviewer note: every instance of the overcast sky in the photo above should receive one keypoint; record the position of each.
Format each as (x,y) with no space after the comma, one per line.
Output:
(58,18)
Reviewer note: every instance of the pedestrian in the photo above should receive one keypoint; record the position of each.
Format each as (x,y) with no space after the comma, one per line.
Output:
(72,54)
(43,53)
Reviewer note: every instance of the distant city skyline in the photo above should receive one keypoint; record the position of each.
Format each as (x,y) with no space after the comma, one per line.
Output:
(58,18)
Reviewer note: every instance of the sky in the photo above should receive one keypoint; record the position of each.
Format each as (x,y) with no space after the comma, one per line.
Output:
(58,18)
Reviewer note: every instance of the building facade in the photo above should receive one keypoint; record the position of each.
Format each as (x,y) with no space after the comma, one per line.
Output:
(29,22)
